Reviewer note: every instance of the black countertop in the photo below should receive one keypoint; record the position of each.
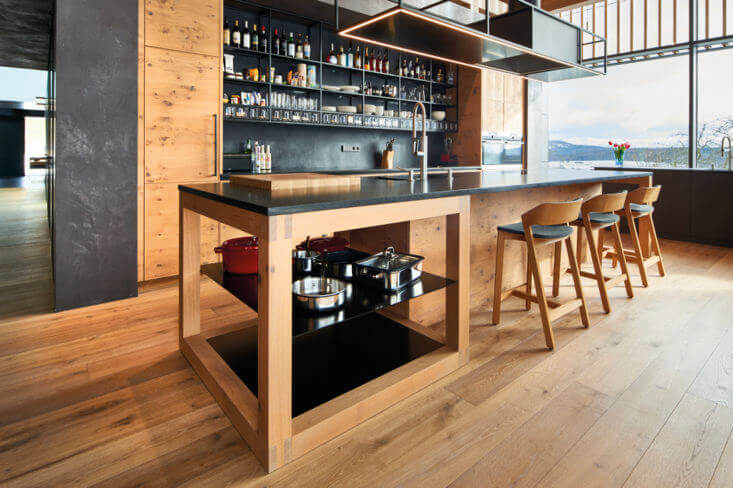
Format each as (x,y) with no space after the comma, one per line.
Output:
(376,190)
(662,168)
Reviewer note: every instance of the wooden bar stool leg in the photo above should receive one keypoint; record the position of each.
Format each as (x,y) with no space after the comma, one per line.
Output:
(579,248)
(655,244)
(528,288)
(637,248)
(497,279)
(598,268)
(541,299)
(556,270)
(622,259)
(578,286)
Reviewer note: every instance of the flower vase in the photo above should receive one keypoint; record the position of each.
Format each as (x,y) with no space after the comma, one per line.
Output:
(620,160)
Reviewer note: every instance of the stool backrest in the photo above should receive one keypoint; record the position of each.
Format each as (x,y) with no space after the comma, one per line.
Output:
(644,195)
(607,202)
(552,213)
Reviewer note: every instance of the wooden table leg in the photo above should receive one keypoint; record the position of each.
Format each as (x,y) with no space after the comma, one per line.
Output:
(457,298)
(189,260)
(275,337)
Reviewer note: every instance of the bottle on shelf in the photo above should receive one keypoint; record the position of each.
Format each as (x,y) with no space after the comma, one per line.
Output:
(255,38)
(236,35)
(227,33)
(299,47)
(283,44)
(378,63)
(332,56)
(385,62)
(372,62)
(349,58)
(268,159)
(417,68)
(275,43)
(410,70)
(291,46)
(357,58)
(307,48)
(403,67)
(263,39)
(367,66)
(342,56)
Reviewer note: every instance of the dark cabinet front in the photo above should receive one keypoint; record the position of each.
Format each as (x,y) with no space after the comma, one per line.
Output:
(712,207)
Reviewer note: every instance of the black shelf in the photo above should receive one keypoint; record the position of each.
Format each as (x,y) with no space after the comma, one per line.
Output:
(243,51)
(331,361)
(363,300)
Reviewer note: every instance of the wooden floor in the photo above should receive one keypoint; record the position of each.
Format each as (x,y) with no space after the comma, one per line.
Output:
(101,397)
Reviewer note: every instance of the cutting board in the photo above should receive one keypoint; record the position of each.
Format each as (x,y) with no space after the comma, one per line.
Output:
(295,181)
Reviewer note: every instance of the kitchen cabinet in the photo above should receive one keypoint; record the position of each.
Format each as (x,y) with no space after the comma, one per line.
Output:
(191,26)
(712,207)
(182,105)
(161,232)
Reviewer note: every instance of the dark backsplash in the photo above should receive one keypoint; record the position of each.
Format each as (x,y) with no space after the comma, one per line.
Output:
(303,148)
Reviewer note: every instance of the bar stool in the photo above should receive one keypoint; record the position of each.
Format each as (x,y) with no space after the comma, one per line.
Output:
(543,225)
(598,214)
(639,207)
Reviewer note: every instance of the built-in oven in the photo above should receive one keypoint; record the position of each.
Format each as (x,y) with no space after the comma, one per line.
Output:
(501,149)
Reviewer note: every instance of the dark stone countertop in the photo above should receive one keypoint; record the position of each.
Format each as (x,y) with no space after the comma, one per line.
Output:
(662,168)
(377,190)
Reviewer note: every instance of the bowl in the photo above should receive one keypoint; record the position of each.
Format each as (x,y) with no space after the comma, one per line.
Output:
(330,87)
(438,115)
(328,108)
(347,109)
(367,109)
(350,88)
(379,110)
(319,294)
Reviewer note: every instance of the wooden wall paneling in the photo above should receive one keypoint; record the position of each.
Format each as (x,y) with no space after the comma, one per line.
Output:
(467,142)
(192,26)
(161,232)
(182,104)
(141,141)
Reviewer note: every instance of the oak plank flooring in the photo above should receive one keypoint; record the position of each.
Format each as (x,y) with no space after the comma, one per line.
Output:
(101,397)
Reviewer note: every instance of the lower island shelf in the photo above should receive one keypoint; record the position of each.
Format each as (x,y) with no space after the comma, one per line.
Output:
(333,360)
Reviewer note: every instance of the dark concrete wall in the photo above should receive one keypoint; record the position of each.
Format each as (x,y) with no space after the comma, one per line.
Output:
(95,251)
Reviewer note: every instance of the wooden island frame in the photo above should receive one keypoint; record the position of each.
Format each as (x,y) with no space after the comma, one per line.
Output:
(265,420)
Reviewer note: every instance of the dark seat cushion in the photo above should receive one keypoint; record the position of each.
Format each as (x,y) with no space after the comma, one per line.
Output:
(601,217)
(637,207)
(540,231)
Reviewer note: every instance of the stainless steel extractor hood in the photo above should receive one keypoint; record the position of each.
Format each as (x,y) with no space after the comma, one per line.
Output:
(524,41)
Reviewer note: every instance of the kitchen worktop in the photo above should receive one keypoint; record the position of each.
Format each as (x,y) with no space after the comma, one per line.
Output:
(377,190)
(661,168)
(368,171)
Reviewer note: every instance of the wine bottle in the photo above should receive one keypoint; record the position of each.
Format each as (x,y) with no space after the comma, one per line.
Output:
(372,65)
(227,33)
(299,47)
(332,56)
(342,56)
(263,39)
(255,40)
(236,35)
(307,48)
(357,58)
(275,43)
(367,66)
(385,62)
(378,63)
(291,46)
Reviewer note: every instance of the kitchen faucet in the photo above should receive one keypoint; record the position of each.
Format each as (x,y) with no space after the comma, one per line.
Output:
(420,146)
(722,151)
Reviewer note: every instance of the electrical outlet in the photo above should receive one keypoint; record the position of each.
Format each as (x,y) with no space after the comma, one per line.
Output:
(350,148)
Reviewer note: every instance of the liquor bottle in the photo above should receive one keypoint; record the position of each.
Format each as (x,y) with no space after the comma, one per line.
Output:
(263,39)
(246,37)
(403,67)
(236,35)
(307,48)
(349,58)
(385,62)
(227,33)
(357,58)
(291,46)
(372,62)
(255,39)
(275,43)
(268,159)
(417,67)
(342,56)
(367,66)
(378,63)
(299,47)
(332,56)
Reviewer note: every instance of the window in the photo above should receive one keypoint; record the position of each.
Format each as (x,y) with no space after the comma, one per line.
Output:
(644,104)
(715,105)
(22,85)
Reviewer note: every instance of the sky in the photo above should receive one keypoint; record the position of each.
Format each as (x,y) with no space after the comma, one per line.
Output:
(22,85)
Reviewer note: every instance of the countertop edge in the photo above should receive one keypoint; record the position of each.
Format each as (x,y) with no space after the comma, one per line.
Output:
(331,205)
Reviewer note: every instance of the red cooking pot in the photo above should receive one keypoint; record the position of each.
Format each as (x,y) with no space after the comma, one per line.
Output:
(324,244)
(239,255)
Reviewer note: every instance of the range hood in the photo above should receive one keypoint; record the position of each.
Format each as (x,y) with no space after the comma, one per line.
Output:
(525,41)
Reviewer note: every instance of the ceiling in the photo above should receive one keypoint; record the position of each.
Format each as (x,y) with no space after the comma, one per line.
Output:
(25,33)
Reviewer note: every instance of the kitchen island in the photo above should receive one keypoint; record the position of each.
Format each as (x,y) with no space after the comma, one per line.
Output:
(264,396)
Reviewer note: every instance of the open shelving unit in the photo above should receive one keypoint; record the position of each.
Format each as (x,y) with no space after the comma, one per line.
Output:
(317,32)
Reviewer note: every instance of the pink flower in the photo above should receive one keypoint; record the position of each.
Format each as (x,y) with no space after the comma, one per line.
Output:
(615,145)
(627,145)
(610,143)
